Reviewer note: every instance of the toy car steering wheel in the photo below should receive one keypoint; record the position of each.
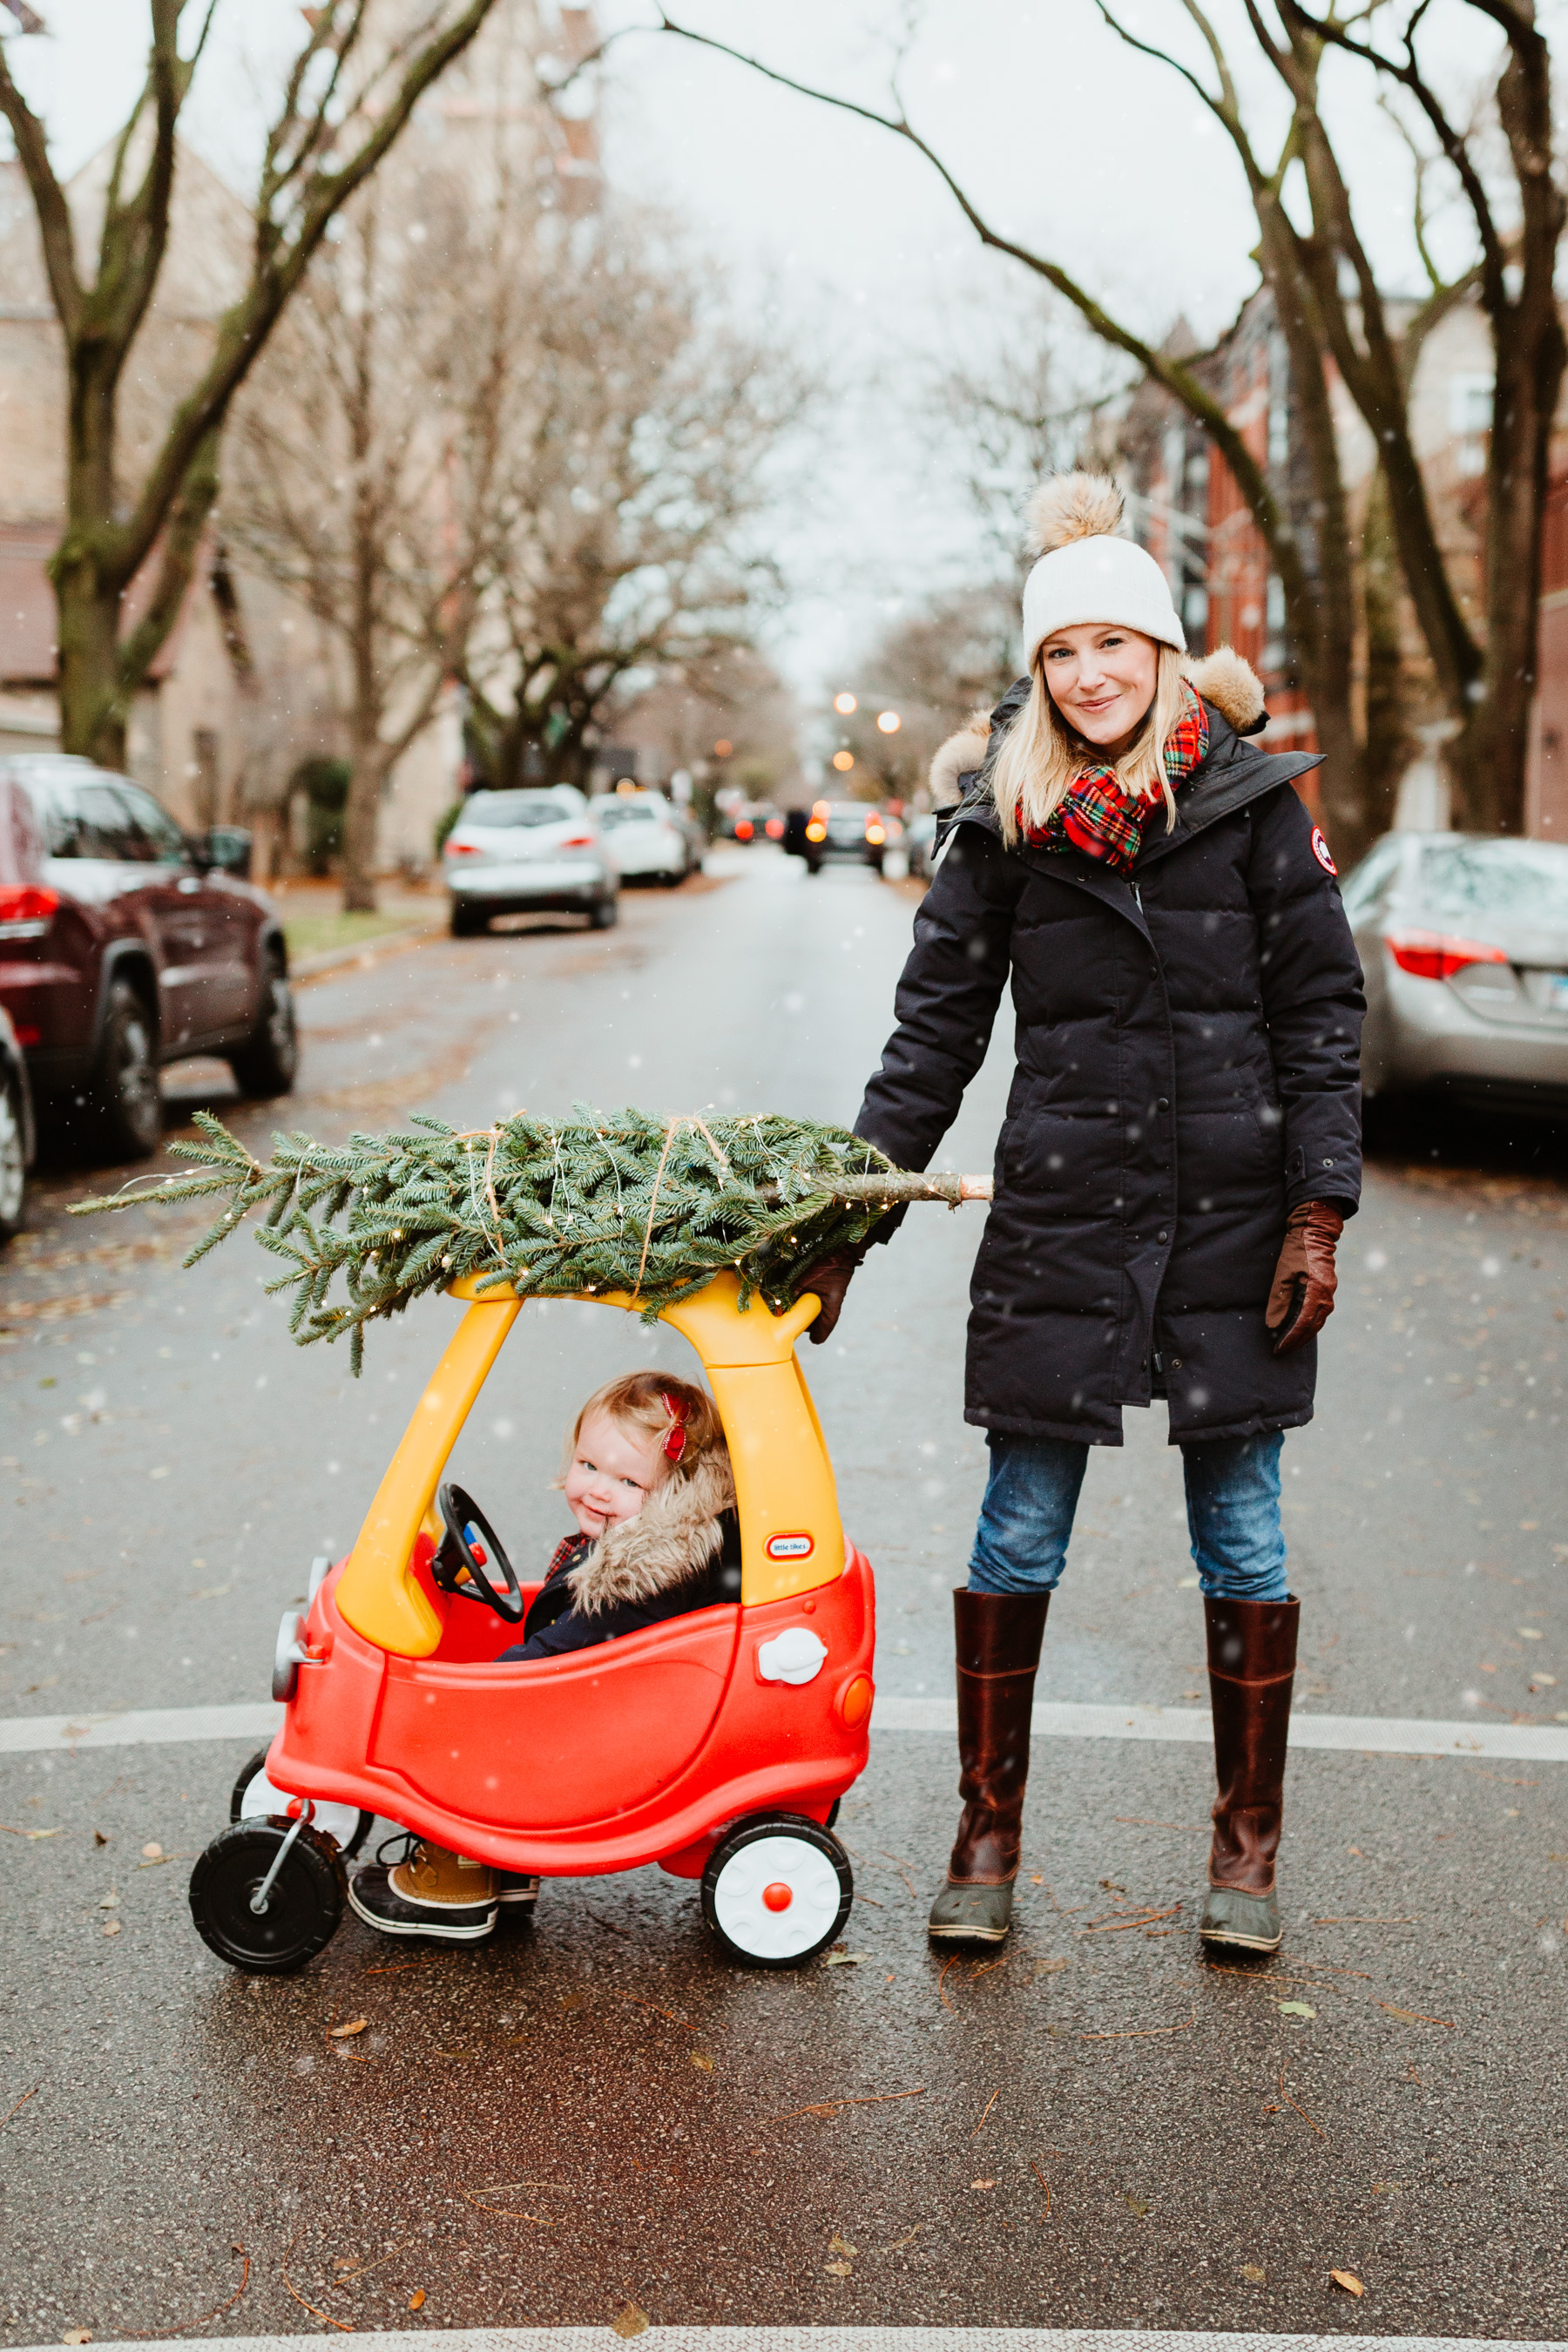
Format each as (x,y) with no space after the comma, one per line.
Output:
(471,1561)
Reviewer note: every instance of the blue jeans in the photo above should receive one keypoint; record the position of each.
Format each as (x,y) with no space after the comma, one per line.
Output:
(1232,1515)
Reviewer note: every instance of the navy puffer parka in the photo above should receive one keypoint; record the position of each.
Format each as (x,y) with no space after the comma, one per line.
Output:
(1187,1044)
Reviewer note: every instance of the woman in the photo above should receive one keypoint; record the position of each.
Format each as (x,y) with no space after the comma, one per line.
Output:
(1181,1149)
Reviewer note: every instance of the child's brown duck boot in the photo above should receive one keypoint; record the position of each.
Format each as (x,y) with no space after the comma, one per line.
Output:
(432,1893)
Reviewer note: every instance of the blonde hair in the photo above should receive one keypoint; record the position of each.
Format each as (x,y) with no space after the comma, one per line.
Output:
(637,1402)
(1041,755)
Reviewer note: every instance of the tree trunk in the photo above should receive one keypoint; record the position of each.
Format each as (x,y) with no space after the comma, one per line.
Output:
(1486,759)
(92,712)
(1387,741)
(368,767)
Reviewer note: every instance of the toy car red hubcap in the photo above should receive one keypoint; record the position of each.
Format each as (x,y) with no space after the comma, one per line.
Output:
(778,1896)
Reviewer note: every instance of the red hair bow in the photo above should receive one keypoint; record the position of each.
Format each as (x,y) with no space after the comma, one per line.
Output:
(675,1441)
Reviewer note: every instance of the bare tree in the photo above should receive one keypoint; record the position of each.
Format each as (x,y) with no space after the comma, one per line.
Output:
(929,669)
(346,98)
(367,461)
(641,458)
(1329,306)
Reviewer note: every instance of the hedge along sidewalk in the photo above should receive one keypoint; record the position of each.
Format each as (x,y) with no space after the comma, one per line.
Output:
(1358,1734)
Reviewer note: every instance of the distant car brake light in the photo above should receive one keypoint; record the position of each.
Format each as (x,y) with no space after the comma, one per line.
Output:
(23,903)
(745,828)
(817,831)
(774,828)
(1433,955)
(28,1032)
(462,849)
(578,841)
(875,835)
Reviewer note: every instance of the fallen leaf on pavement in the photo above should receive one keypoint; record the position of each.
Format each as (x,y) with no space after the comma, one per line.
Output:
(700,2058)
(1254,2273)
(99,1838)
(838,2270)
(77,2336)
(837,2245)
(836,1960)
(1296,2009)
(416,2300)
(112,1927)
(1419,2016)
(1139,2205)
(341,2033)
(1051,1968)
(152,1851)
(110,1901)
(630,2321)
(982,2184)
(31,1833)
(1349,2281)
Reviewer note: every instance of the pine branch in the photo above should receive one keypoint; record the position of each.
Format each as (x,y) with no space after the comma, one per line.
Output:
(556,1208)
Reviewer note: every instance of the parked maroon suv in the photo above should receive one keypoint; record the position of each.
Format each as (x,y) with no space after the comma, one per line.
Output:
(124,946)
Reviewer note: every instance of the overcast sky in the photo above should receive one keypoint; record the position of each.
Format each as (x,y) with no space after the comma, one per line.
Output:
(845,240)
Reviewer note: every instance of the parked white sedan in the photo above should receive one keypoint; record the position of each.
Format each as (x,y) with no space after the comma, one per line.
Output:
(512,853)
(645,839)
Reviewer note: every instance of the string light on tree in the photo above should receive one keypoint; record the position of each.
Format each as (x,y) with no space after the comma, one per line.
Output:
(888,723)
(844,704)
(844,762)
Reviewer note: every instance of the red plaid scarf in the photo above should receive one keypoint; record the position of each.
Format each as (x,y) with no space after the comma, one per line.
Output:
(1096,815)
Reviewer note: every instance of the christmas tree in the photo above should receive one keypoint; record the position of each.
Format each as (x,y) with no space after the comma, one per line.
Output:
(646,1207)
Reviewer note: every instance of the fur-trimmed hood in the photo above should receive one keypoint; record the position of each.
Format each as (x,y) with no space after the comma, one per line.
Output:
(1222,678)
(674,1537)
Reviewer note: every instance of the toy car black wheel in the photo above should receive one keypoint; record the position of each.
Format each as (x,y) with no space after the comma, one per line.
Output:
(254,1796)
(305,1904)
(776,1890)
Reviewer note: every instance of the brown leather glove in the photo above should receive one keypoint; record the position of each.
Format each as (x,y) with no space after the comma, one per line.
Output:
(1302,1297)
(830,1278)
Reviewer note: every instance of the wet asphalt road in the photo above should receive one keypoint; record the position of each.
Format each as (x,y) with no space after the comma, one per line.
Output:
(593,2111)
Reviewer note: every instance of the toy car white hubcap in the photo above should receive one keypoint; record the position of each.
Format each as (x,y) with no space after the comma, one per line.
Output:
(777,1897)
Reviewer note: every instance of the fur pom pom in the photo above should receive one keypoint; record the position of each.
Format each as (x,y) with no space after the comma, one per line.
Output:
(1072,506)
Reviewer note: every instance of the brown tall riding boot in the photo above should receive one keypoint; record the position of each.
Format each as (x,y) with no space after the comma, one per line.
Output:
(1252,1666)
(999,1645)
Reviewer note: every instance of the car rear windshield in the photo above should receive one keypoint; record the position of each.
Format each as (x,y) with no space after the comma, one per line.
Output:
(1465,880)
(499,810)
(628,812)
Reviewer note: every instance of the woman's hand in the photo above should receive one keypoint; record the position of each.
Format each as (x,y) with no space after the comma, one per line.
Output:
(1301,1297)
(829,1278)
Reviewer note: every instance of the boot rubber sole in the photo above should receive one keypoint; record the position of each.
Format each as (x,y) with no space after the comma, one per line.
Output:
(470,1931)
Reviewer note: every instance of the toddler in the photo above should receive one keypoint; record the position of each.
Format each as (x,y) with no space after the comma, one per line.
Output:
(647,1477)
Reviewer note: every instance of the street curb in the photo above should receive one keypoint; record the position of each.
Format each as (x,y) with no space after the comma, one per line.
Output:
(313,967)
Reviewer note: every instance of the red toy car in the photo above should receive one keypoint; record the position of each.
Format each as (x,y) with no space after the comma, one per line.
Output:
(717,1744)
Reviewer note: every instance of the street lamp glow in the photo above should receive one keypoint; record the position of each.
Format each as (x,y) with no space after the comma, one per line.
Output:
(844,704)
(889,721)
(844,762)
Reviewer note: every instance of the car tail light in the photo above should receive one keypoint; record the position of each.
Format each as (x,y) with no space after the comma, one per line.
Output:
(745,828)
(23,903)
(463,849)
(28,1032)
(822,809)
(774,828)
(578,841)
(875,834)
(817,831)
(1434,955)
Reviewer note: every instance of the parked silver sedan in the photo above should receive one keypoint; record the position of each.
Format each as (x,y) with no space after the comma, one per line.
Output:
(1464,941)
(512,853)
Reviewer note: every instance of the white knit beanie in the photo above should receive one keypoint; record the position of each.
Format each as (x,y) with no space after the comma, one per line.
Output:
(1088,573)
